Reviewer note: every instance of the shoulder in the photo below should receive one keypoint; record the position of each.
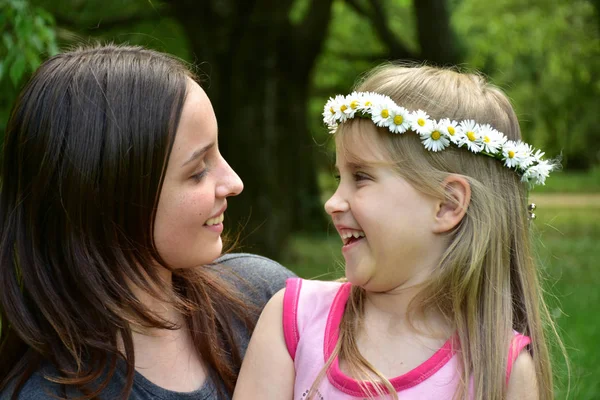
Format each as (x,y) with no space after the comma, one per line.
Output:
(36,387)
(253,266)
(256,276)
(522,383)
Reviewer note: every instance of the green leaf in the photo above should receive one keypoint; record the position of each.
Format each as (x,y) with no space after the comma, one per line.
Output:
(8,41)
(33,59)
(17,70)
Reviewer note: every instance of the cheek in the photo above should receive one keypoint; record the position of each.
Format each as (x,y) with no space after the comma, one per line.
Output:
(179,220)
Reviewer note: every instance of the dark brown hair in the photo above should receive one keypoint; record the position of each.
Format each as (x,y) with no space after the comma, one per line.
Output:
(84,157)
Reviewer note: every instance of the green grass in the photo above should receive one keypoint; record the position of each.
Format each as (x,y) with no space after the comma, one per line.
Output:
(572,182)
(569,250)
(567,243)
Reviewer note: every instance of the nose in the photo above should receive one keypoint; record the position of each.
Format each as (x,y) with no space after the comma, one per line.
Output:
(336,203)
(230,183)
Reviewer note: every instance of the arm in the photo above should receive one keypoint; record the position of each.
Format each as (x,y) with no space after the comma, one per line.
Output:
(522,384)
(268,370)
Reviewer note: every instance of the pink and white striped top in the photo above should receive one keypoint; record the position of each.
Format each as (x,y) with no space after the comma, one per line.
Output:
(312,311)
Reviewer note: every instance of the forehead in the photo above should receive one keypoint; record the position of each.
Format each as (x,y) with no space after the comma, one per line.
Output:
(197,125)
(360,142)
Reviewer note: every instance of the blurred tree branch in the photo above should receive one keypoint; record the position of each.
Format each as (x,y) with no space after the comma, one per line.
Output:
(116,22)
(312,32)
(437,45)
(376,16)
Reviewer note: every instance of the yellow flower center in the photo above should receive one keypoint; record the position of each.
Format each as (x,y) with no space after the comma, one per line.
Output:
(398,119)
(385,113)
(435,135)
(511,154)
(368,104)
(471,136)
(451,130)
(421,122)
(486,139)
(343,107)
(354,104)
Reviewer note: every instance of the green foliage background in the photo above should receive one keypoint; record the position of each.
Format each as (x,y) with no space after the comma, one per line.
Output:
(544,53)
(28,37)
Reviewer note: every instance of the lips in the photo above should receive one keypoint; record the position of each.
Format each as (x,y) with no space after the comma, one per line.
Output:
(214,221)
(216,218)
(349,235)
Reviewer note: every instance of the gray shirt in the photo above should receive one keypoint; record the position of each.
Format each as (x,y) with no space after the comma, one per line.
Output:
(264,276)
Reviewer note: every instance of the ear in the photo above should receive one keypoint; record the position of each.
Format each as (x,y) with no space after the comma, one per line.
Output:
(451,210)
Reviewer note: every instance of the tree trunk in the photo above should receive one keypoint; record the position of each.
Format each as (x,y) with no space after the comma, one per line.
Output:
(259,72)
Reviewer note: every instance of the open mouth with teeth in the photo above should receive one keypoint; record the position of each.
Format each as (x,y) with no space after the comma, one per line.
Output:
(350,237)
(215,220)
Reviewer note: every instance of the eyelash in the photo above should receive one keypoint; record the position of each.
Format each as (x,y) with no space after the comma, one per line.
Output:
(198,177)
(358,176)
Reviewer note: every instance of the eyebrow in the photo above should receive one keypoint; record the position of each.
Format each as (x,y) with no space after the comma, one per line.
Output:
(354,166)
(199,153)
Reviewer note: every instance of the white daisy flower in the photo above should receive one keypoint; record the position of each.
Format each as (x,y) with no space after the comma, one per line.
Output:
(526,152)
(344,109)
(366,100)
(538,172)
(337,107)
(353,101)
(381,112)
(400,118)
(511,155)
(435,139)
(369,99)
(420,122)
(470,136)
(538,155)
(329,112)
(492,139)
(451,128)
(332,128)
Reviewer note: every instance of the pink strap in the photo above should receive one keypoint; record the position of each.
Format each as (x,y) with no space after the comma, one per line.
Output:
(517,344)
(290,313)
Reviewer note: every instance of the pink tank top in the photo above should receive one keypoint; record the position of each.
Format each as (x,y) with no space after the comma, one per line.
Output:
(312,311)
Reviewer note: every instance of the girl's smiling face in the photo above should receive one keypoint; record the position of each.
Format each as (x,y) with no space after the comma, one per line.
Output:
(396,245)
(197,182)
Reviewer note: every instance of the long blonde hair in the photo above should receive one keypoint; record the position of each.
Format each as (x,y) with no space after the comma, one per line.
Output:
(486,284)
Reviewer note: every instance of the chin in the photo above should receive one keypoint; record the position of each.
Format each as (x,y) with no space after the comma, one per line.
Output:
(213,252)
(196,257)
(357,275)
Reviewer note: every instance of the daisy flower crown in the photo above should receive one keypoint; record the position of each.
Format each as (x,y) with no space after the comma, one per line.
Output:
(438,135)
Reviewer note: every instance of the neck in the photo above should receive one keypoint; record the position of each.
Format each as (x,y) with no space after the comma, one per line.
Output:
(160,309)
(391,311)
(394,306)
(166,357)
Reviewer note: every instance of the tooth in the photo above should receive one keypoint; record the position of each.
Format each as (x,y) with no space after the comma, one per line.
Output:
(362,234)
(355,234)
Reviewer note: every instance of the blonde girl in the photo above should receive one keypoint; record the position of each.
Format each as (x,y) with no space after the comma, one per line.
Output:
(442,299)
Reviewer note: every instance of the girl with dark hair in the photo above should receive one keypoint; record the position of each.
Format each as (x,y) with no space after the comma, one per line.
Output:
(111,207)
